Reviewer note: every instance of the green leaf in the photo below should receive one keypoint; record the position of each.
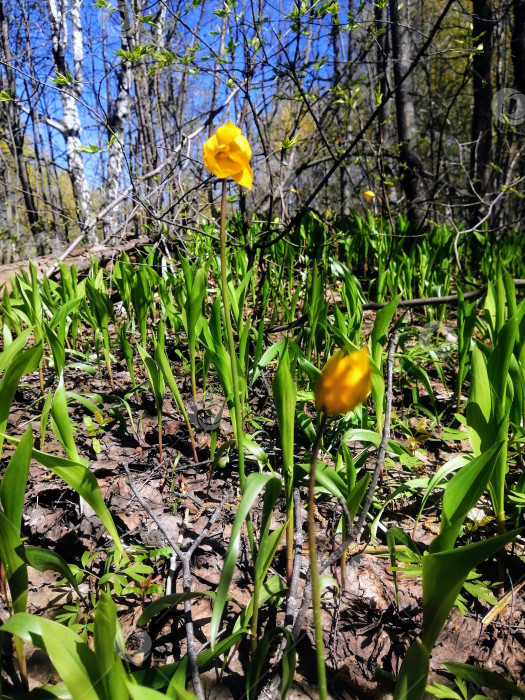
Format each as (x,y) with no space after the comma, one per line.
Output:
(479,404)
(435,482)
(377,341)
(329,479)
(169,601)
(484,677)
(269,542)
(14,482)
(443,576)
(498,363)
(61,424)
(13,349)
(69,654)
(438,690)
(271,588)
(393,535)
(12,492)
(155,376)
(357,494)
(141,692)
(257,664)
(62,79)
(47,560)
(25,363)
(461,494)
(285,397)
(162,360)
(57,348)
(84,483)
(414,673)
(6,95)
(110,667)
(15,569)
(255,483)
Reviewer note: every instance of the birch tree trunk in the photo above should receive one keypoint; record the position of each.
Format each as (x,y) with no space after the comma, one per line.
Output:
(118,115)
(70,93)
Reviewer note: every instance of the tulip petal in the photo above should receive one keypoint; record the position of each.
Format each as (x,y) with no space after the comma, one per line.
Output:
(344,383)
(245,177)
(227,133)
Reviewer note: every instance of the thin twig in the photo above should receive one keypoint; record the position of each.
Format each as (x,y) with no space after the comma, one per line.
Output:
(152,515)
(185,559)
(291,600)
(360,525)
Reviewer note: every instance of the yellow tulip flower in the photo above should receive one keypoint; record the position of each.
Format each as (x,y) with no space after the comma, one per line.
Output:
(344,383)
(227,154)
(369,195)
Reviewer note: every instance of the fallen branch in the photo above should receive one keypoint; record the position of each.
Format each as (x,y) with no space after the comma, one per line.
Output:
(403,304)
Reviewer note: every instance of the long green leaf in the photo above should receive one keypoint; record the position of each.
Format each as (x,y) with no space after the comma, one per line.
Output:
(25,363)
(444,574)
(479,404)
(13,349)
(73,659)
(61,424)
(414,673)
(141,692)
(12,493)
(16,570)
(47,560)
(14,482)
(110,667)
(461,494)
(169,601)
(255,483)
(285,397)
(84,483)
(484,677)
(69,654)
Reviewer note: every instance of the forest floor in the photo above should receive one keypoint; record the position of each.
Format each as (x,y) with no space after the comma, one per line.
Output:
(364,628)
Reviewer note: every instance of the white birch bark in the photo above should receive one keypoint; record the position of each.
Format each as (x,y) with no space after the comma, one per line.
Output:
(70,94)
(118,116)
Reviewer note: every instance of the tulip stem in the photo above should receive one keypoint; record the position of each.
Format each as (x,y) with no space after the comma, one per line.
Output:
(237,405)
(230,341)
(314,574)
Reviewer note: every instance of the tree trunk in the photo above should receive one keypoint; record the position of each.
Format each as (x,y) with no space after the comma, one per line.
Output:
(518,45)
(410,164)
(70,93)
(16,143)
(118,115)
(384,128)
(481,129)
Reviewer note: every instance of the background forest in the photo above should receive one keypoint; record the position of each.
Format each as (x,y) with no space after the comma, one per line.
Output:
(105,108)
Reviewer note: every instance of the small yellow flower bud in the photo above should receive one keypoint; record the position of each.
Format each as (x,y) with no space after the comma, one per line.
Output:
(344,383)
(369,195)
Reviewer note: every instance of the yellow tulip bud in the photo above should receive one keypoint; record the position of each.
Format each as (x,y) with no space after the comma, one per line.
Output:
(369,195)
(227,154)
(344,383)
